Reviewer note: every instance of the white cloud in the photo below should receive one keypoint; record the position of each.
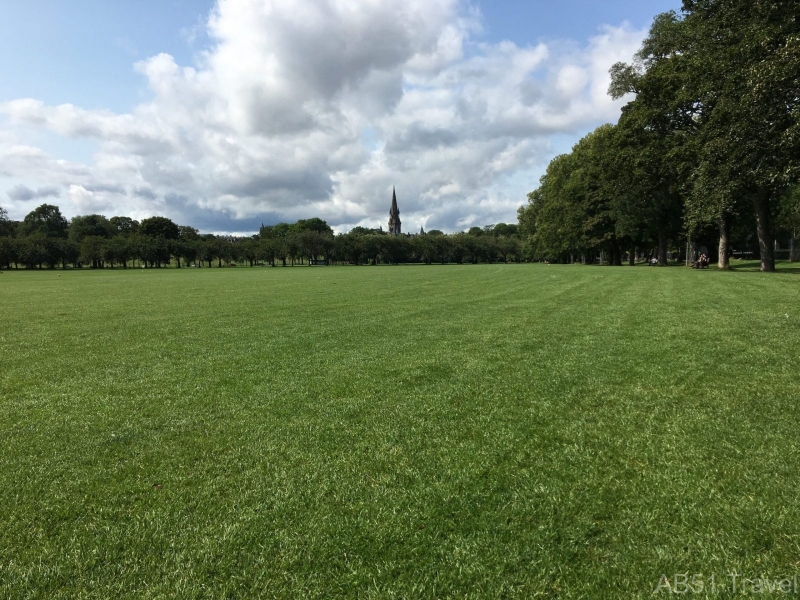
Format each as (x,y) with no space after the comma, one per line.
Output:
(317,107)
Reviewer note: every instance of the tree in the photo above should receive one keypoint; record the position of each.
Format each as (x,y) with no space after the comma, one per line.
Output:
(789,219)
(89,225)
(313,224)
(187,234)
(502,229)
(119,250)
(159,227)
(265,250)
(208,249)
(92,250)
(68,251)
(45,220)
(723,75)
(31,250)
(249,250)
(8,228)
(8,252)
(124,226)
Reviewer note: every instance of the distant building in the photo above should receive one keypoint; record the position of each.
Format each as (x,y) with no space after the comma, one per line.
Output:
(394,216)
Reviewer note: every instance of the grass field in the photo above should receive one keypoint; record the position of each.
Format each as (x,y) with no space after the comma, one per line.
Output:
(477,431)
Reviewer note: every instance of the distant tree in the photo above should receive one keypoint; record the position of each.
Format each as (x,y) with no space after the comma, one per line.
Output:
(176,249)
(124,226)
(89,225)
(371,246)
(397,249)
(435,232)
(8,252)
(160,227)
(45,220)
(222,250)
(32,250)
(504,229)
(313,224)
(459,247)
(348,247)
(119,250)
(424,248)
(475,231)
(507,245)
(281,230)
(92,250)
(207,249)
(152,251)
(68,251)
(281,248)
(366,231)
(187,234)
(789,219)
(265,250)
(249,250)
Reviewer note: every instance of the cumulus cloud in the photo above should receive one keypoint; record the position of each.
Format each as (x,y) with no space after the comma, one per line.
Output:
(317,107)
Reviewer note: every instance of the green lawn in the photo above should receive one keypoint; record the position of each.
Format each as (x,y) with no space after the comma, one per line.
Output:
(477,431)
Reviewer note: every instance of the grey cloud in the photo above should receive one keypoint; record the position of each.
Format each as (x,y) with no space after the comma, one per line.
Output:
(530,92)
(418,136)
(21,193)
(145,193)
(306,185)
(105,187)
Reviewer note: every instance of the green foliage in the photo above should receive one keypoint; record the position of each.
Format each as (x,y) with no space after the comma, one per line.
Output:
(718,85)
(159,227)
(7,227)
(123,225)
(46,220)
(789,215)
(90,225)
(314,224)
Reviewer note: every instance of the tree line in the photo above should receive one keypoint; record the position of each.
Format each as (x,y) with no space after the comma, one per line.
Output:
(707,152)
(46,239)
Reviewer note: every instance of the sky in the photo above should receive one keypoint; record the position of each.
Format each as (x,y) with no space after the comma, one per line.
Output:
(225,114)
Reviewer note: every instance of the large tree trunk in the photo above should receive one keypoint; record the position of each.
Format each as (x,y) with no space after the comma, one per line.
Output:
(724,244)
(793,250)
(765,240)
(632,256)
(662,247)
(616,253)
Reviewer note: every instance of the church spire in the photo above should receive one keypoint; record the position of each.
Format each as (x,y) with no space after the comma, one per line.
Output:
(394,215)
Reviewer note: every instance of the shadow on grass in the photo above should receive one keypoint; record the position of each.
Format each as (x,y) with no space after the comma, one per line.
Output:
(754,266)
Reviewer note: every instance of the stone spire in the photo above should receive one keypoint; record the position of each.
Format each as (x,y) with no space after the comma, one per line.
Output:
(394,216)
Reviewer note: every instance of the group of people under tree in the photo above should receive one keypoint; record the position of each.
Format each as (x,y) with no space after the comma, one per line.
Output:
(711,139)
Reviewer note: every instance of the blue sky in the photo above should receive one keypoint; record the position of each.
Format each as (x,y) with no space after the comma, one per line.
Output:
(83,53)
